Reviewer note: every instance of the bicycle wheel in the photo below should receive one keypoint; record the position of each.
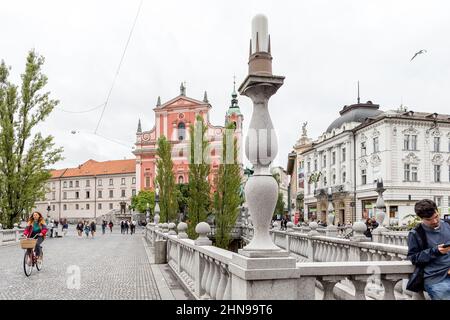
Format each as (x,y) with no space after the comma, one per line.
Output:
(40,262)
(28,262)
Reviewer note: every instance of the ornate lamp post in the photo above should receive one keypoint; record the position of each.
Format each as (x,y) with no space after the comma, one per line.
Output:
(331,228)
(157,210)
(261,189)
(380,212)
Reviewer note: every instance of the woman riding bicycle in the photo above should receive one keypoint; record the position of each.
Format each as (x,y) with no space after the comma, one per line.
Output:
(36,227)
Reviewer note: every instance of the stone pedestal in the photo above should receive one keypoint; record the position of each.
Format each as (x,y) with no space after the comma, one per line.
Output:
(263,278)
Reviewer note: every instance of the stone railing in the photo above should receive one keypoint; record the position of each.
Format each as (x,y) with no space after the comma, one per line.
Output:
(201,267)
(342,269)
(235,232)
(398,238)
(315,247)
(8,236)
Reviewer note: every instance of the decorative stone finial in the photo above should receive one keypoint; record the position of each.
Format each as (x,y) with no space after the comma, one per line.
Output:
(165,227)
(139,129)
(158,102)
(205,97)
(203,229)
(171,227)
(313,226)
(182,227)
(290,226)
(182,89)
(359,228)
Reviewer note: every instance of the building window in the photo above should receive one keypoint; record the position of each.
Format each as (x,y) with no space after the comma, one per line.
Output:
(64,195)
(309,166)
(77,184)
(147,182)
(99,182)
(70,184)
(334,179)
(414,176)
(99,206)
(180,153)
(181,131)
(77,206)
(133,180)
(324,181)
(315,165)
(88,183)
(110,206)
(65,184)
(437,142)
(77,195)
(437,173)
(438,201)
(180,179)
(344,176)
(110,182)
(65,207)
(410,142)
(53,195)
(87,206)
(363,176)
(333,157)
(324,161)
(407,171)
(133,192)
(100,194)
(123,181)
(376,146)
(363,148)
(53,207)
(88,194)
(111,193)
(343,154)
(123,193)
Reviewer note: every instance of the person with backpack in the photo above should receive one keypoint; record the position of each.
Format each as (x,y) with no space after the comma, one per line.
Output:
(110,225)
(80,227)
(87,229)
(429,251)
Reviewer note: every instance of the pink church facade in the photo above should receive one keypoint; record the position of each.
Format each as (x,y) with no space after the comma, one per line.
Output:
(172,120)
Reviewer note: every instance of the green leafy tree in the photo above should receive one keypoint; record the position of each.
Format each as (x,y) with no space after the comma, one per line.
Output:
(165,180)
(139,201)
(227,196)
(24,157)
(199,188)
(182,197)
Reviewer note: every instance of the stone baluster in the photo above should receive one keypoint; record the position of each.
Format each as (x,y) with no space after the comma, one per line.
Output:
(171,227)
(1,236)
(182,227)
(360,283)
(222,282)
(328,283)
(227,293)
(205,273)
(216,279)
(389,282)
(210,278)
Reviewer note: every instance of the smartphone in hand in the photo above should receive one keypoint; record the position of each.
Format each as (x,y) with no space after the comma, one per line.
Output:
(446,245)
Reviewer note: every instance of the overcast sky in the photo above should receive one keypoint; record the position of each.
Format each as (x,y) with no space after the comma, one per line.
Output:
(322,48)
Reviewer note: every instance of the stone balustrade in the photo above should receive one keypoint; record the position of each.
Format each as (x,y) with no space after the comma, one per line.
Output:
(327,268)
(8,236)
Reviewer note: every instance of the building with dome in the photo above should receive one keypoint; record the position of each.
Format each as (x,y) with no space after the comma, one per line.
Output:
(172,119)
(409,150)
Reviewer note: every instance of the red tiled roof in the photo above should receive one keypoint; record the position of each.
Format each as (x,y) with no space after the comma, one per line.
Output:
(95,168)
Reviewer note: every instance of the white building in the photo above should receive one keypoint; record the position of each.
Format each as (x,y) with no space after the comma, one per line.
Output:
(283,184)
(89,191)
(409,150)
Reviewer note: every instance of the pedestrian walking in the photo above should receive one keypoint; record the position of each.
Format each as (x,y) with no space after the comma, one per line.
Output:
(132,227)
(126,226)
(87,229)
(110,224)
(65,227)
(80,228)
(104,226)
(122,227)
(93,228)
(429,251)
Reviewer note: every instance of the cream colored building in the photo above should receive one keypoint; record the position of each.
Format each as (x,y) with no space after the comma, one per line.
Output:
(90,191)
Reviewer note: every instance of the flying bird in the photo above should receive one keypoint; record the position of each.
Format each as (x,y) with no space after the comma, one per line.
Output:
(417,53)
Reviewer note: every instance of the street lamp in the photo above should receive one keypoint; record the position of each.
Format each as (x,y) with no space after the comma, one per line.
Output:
(157,210)
(48,209)
(331,228)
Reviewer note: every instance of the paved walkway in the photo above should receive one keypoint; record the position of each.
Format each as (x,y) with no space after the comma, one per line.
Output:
(111,266)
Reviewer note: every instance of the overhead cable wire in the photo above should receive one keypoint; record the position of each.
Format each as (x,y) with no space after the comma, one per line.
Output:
(118,68)
(82,111)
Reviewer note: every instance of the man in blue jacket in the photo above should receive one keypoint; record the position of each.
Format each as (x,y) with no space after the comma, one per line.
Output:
(433,255)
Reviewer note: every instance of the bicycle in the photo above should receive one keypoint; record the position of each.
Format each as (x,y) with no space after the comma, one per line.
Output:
(30,259)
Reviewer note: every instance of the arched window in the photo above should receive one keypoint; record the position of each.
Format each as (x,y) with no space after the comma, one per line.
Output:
(181,131)
(180,179)
(180,153)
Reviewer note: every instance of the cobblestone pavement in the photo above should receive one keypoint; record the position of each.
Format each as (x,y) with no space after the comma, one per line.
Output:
(112,266)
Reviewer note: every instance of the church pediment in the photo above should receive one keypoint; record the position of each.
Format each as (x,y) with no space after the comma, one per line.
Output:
(181,102)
